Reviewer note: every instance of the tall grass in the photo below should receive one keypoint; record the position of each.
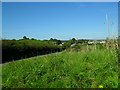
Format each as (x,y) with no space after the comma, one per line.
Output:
(69,69)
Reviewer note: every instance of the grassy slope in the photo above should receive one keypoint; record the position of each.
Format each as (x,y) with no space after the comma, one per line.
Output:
(36,41)
(87,69)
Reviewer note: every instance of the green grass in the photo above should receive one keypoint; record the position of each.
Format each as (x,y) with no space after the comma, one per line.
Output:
(36,41)
(69,69)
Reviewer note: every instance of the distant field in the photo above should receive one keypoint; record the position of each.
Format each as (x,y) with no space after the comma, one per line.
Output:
(70,69)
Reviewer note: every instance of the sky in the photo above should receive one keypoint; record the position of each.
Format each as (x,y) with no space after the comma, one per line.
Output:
(60,0)
(60,20)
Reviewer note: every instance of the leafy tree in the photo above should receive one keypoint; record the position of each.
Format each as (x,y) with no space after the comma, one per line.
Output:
(73,39)
(59,42)
(33,39)
(51,39)
(24,37)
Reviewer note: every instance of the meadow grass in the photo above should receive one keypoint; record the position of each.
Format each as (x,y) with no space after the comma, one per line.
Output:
(69,69)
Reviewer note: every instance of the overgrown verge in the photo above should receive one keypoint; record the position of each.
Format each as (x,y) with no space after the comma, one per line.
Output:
(69,69)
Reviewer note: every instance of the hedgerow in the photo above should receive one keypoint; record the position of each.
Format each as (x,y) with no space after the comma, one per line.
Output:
(14,50)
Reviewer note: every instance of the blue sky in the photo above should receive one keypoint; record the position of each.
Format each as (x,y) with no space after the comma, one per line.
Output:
(61,20)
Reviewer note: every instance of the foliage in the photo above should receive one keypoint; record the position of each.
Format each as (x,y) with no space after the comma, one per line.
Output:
(33,39)
(17,49)
(73,39)
(55,40)
(82,41)
(67,44)
(24,37)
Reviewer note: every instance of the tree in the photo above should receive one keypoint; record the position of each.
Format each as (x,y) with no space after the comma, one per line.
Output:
(33,39)
(73,39)
(24,37)
(59,42)
(51,39)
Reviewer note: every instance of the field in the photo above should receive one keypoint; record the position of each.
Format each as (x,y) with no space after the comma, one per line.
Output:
(83,67)
(36,41)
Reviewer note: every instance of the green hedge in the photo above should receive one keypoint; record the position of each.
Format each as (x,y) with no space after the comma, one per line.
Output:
(14,49)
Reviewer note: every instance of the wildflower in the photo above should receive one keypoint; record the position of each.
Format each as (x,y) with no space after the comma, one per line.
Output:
(100,86)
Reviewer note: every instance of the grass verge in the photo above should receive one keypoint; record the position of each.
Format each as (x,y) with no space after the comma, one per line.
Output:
(68,69)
